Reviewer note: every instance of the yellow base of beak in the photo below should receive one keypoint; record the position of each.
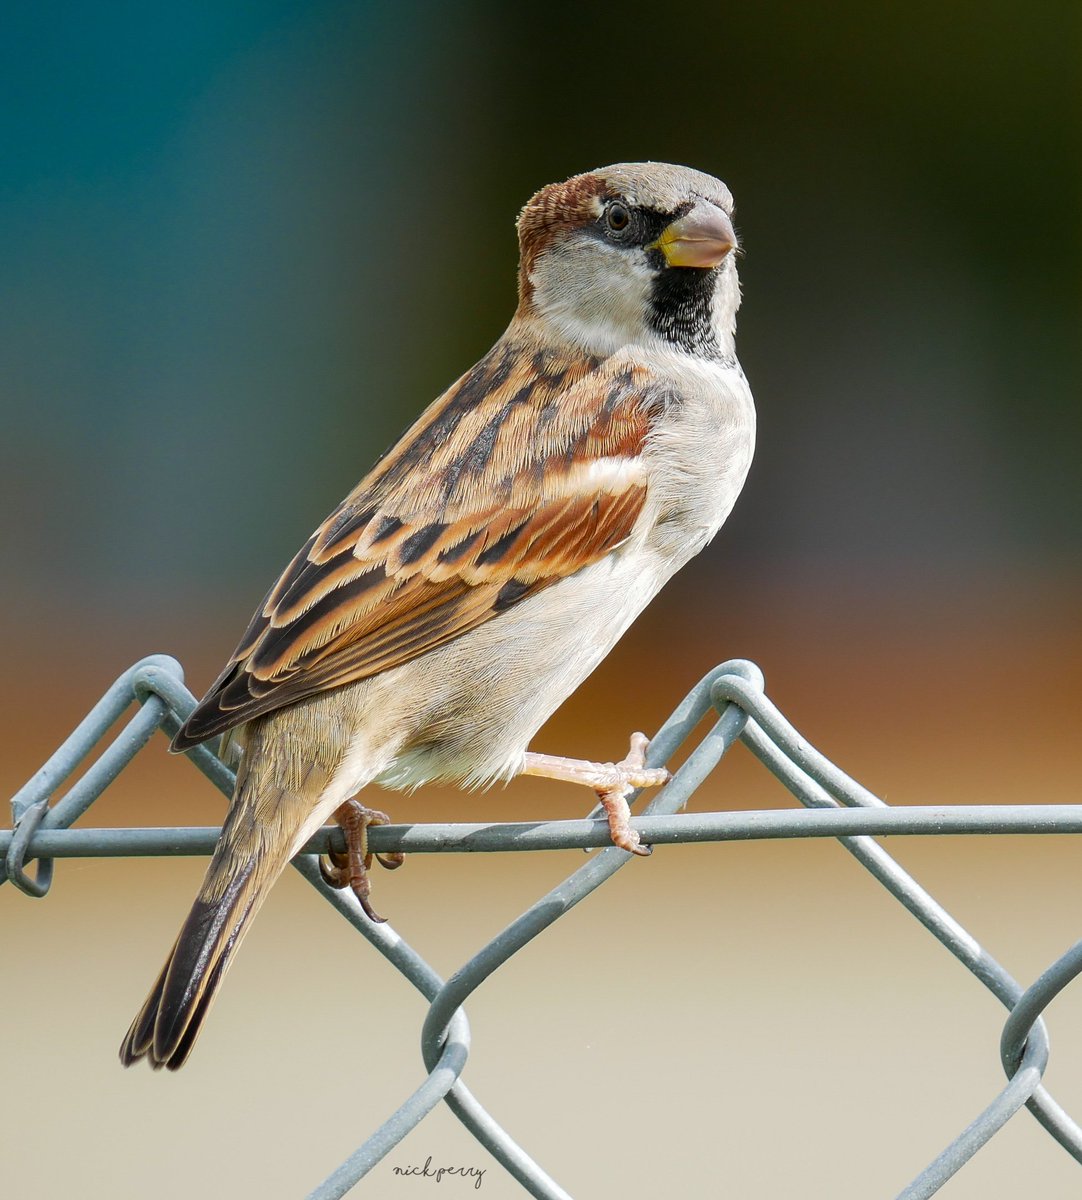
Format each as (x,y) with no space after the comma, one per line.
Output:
(702,238)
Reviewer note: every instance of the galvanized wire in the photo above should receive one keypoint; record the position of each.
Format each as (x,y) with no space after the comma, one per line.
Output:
(835,806)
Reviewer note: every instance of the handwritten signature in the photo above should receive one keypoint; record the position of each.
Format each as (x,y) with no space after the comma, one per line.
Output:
(477,1174)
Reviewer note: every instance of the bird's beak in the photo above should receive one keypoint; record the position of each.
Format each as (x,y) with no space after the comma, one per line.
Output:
(701,238)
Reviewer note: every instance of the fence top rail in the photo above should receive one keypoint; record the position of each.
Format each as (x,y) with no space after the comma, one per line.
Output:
(518,836)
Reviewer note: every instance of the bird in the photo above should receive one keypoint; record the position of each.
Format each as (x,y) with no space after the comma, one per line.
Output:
(488,562)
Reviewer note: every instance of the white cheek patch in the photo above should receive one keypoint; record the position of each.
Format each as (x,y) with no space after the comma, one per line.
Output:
(595,294)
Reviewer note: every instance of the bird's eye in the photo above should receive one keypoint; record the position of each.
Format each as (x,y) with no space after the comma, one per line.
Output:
(617,217)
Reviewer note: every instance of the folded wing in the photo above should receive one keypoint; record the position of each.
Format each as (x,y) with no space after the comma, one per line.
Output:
(525,471)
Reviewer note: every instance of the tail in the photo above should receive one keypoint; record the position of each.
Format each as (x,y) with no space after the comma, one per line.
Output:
(264,828)
(172,1015)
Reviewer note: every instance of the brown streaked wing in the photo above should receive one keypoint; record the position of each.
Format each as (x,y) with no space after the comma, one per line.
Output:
(466,517)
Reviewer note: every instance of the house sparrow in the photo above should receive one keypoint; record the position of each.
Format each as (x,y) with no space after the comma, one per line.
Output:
(487,564)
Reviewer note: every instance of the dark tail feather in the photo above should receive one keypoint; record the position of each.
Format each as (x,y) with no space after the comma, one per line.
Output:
(138,1039)
(169,1021)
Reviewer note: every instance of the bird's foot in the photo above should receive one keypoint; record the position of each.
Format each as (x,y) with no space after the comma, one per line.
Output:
(612,782)
(351,868)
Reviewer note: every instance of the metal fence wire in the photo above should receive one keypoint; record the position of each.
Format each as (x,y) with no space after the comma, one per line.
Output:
(834,806)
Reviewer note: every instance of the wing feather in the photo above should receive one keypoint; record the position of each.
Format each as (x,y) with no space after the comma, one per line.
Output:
(521,474)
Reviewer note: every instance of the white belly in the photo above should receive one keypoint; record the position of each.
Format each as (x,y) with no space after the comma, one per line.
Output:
(489,692)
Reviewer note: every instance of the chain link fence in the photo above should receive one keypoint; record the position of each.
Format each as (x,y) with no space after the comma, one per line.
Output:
(834,806)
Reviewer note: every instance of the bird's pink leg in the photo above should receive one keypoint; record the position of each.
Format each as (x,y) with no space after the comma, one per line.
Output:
(611,781)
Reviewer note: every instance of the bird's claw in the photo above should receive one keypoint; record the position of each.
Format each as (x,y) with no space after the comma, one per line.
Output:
(614,783)
(350,868)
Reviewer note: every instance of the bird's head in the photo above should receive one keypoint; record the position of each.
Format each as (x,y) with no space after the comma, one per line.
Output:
(632,253)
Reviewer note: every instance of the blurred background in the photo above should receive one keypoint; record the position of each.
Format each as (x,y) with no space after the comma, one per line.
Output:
(243,244)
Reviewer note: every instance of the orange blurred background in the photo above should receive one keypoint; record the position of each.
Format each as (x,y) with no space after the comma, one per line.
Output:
(245,246)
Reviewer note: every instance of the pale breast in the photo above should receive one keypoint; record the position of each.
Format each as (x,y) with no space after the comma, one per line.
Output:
(699,452)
